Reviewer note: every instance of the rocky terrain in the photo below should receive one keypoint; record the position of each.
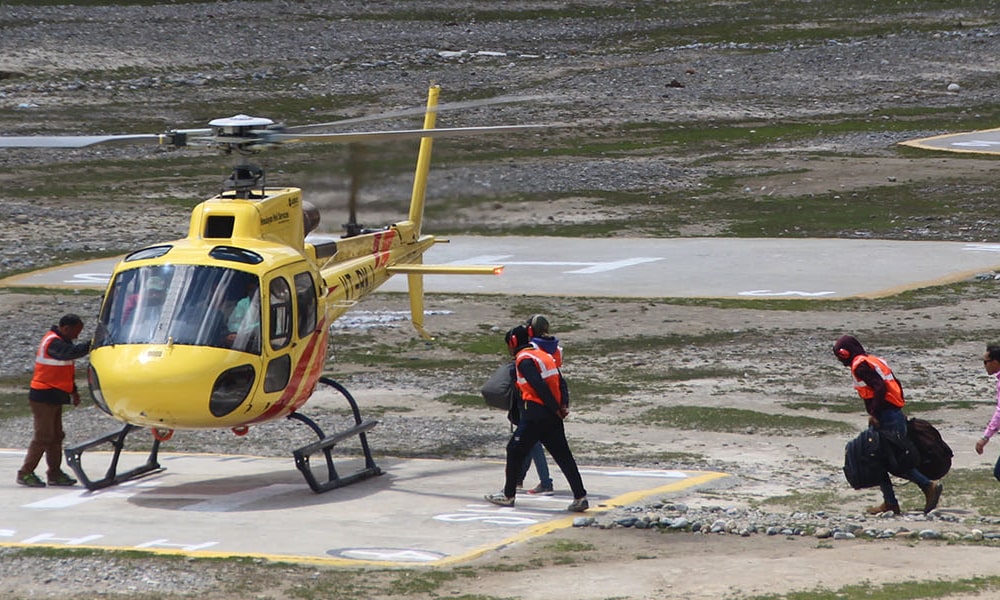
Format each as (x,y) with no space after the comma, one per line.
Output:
(628,86)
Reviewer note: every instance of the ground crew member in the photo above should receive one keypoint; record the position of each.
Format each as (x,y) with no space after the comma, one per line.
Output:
(544,405)
(883,396)
(52,385)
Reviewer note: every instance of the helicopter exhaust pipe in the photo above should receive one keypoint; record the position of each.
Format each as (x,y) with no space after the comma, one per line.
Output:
(310,217)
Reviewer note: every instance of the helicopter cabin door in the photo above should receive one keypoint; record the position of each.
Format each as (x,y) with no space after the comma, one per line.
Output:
(294,347)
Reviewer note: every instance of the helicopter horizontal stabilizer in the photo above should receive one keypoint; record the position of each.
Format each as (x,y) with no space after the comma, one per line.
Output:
(421,269)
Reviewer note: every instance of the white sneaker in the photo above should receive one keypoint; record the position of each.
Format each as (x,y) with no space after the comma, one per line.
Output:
(500,500)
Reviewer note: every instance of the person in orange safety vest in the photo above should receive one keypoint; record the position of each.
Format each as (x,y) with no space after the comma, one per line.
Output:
(52,386)
(544,404)
(882,393)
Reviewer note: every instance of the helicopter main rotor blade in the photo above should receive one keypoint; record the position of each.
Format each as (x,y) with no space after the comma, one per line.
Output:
(406,134)
(173,138)
(419,110)
(75,141)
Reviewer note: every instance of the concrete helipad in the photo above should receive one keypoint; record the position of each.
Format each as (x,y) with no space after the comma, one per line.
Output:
(418,511)
(985,141)
(664,268)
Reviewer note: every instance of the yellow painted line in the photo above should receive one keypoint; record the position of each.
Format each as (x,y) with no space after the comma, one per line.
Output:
(916,285)
(550,526)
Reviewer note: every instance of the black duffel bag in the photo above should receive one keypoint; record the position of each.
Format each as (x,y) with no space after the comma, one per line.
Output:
(864,460)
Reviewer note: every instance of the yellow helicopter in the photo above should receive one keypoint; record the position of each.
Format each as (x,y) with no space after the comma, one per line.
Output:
(228,327)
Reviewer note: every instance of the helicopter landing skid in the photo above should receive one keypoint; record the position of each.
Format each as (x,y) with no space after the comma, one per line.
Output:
(111,476)
(326,444)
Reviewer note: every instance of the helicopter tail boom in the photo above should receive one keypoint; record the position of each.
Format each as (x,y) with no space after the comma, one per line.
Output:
(445,269)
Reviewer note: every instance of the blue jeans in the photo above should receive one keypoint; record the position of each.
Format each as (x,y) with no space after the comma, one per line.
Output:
(893,420)
(537,455)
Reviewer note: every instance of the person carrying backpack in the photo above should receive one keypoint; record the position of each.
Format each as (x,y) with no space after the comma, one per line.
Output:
(538,332)
(882,393)
(544,405)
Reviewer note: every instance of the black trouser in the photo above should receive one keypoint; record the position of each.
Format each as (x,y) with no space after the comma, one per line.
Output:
(547,428)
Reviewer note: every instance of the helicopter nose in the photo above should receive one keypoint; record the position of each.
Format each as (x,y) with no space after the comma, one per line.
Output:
(179,386)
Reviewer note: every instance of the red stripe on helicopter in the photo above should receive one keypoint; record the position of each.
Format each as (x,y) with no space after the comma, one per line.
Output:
(307,371)
(381,244)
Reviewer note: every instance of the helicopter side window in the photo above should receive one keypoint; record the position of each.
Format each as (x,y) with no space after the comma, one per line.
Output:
(281,313)
(243,321)
(305,299)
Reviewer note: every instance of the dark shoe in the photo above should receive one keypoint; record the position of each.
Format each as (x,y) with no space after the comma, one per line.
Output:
(542,490)
(932,494)
(62,480)
(884,508)
(499,499)
(30,480)
(579,505)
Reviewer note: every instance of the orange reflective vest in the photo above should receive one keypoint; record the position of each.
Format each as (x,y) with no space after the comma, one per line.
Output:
(893,391)
(548,370)
(49,372)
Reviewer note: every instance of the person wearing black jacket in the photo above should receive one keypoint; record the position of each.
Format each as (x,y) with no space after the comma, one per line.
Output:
(544,405)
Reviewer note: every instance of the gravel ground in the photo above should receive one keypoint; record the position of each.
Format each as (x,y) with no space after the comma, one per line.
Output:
(63,68)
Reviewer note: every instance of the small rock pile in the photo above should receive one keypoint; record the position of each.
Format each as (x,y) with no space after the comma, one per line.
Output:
(822,525)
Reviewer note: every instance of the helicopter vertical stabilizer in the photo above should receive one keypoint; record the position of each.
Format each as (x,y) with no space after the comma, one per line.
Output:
(415,281)
(419,194)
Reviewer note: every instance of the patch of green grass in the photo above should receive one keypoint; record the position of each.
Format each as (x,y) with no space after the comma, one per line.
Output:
(419,582)
(979,587)
(918,407)
(595,392)
(671,341)
(839,405)
(732,420)
(463,400)
(14,404)
(822,500)
(972,488)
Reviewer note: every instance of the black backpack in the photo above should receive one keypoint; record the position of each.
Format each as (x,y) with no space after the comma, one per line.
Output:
(935,454)
(864,460)
(500,391)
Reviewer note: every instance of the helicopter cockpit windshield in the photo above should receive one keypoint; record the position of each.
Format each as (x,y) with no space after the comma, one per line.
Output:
(182,304)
